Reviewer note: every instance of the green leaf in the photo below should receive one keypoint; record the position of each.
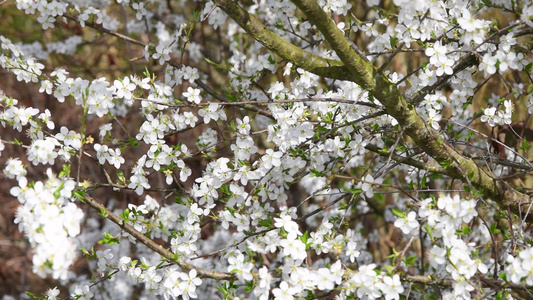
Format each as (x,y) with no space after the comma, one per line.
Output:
(121,178)
(410,261)
(266,222)
(34,296)
(90,254)
(383,151)
(84,251)
(65,172)
(392,256)
(225,189)
(525,145)
(133,142)
(499,296)
(411,185)
(304,237)
(401,148)
(393,41)
(445,164)
(103,212)
(146,73)
(79,195)
(249,286)
(493,228)
(435,176)
(423,182)
(316,173)
(464,231)
(398,213)
(230,97)
(328,118)
(126,215)
(196,15)
(429,230)
(527,68)
(469,135)
(355,192)
(108,239)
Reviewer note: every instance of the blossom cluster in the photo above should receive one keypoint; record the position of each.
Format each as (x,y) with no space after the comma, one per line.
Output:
(494,116)
(171,284)
(50,220)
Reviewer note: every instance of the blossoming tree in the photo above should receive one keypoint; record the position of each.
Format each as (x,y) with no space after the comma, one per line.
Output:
(275,149)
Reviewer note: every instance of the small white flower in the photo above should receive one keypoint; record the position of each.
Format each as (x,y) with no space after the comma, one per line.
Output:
(193,95)
(408,223)
(490,116)
(239,267)
(52,294)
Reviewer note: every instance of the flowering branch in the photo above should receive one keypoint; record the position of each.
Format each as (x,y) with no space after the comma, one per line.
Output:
(153,245)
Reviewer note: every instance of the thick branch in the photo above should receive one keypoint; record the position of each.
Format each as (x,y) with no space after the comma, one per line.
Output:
(153,245)
(301,58)
(361,70)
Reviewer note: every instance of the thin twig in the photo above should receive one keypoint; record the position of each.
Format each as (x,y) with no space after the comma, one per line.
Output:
(233,245)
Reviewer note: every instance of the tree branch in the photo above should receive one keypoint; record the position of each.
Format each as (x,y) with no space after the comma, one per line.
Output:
(313,63)
(153,245)
(361,70)
(407,160)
